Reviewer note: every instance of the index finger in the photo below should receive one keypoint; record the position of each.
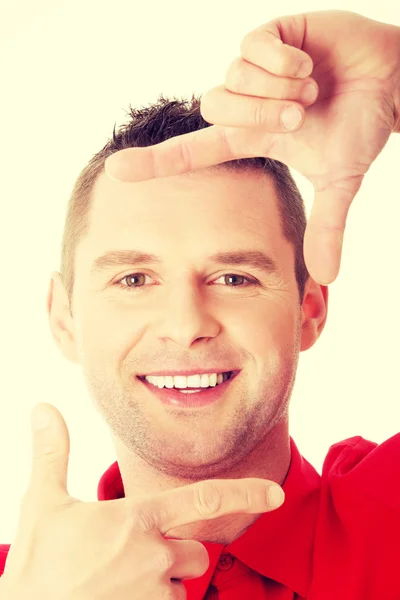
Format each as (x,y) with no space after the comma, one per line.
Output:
(180,154)
(207,500)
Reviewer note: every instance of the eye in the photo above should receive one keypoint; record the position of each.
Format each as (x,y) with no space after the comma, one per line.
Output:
(142,276)
(236,275)
(129,277)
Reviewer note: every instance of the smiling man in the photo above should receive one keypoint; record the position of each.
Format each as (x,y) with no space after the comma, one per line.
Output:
(187,316)
(185,298)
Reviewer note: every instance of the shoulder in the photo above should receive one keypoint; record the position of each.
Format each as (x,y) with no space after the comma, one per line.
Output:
(361,467)
(358,525)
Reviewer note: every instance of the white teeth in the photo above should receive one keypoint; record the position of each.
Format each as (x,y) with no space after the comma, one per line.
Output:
(192,381)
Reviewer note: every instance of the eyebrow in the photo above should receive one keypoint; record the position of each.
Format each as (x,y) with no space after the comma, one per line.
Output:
(252,258)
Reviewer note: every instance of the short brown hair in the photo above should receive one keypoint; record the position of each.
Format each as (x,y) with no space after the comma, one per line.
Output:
(154,124)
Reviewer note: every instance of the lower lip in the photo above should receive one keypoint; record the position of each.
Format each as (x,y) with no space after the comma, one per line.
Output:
(172,397)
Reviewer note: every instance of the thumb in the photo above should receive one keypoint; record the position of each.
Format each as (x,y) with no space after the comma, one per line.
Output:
(323,238)
(51,445)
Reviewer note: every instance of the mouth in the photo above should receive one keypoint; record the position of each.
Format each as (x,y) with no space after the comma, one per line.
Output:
(222,377)
(191,397)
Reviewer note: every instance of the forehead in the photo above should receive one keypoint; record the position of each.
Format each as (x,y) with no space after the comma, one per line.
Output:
(210,210)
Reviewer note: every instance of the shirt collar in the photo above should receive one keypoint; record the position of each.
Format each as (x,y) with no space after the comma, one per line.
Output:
(279,545)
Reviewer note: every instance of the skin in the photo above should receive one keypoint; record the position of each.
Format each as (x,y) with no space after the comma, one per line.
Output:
(184,314)
(354,64)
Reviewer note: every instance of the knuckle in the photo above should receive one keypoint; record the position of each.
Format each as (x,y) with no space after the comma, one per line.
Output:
(50,459)
(207,499)
(142,521)
(47,453)
(259,115)
(236,76)
(165,559)
(290,89)
(185,157)
(244,45)
(250,41)
(281,64)
(143,517)
(138,517)
(248,499)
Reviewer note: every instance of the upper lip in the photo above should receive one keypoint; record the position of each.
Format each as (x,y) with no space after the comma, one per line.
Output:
(187,373)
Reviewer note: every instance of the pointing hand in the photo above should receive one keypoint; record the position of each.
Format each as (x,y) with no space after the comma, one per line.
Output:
(74,550)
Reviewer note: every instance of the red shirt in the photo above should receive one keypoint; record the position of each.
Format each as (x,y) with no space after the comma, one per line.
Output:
(336,537)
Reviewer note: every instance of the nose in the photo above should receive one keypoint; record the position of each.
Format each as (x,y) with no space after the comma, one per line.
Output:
(186,316)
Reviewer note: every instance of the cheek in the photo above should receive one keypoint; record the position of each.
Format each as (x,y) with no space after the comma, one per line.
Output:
(269,326)
(103,336)
(106,332)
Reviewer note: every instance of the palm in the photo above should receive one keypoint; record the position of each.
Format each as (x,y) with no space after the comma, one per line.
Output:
(347,127)
(343,133)
(356,66)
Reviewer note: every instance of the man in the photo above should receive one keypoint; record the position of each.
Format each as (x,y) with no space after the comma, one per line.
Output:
(145,299)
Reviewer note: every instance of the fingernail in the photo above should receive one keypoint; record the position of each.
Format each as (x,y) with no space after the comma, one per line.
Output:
(309,93)
(304,70)
(40,419)
(276,496)
(109,165)
(291,118)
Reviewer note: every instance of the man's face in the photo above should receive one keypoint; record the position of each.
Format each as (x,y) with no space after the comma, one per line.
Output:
(188,311)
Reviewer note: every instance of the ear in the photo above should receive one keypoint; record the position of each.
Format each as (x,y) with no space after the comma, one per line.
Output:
(314,313)
(60,318)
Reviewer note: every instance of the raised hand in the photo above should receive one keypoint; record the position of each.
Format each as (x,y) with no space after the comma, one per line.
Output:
(66,549)
(355,65)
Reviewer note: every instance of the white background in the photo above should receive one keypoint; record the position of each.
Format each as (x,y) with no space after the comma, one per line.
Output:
(69,70)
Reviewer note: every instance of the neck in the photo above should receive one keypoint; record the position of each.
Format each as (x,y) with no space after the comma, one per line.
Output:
(269,460)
